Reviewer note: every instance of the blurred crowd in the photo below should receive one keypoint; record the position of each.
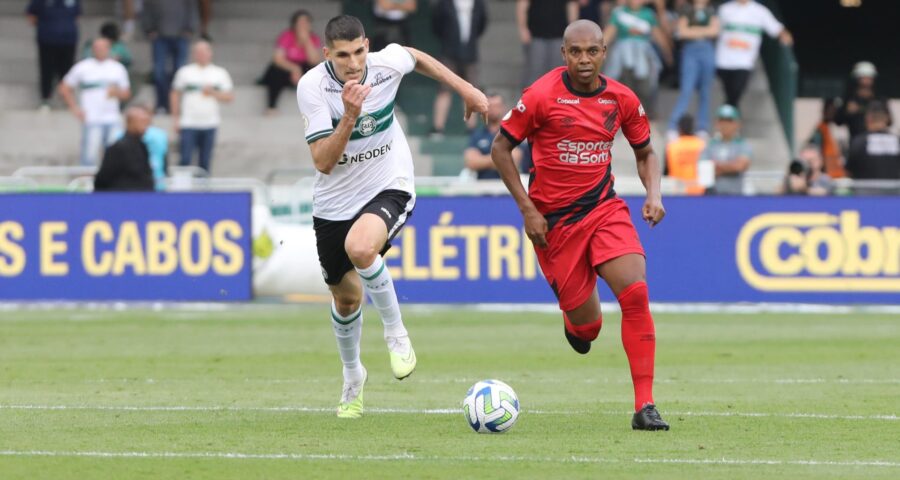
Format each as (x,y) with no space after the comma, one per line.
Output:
(687,44)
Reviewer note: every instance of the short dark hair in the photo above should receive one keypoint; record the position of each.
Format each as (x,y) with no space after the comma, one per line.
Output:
(343,27)
(686,124)
(111,31)
(298,15)
(877,107)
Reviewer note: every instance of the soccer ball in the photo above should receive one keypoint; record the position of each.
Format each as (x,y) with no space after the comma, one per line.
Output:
(491,406)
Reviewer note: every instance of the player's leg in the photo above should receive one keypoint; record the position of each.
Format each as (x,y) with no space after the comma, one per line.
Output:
(347,321)
(366,241)
(583,323)
(574,283)
(346,312)
(627,278)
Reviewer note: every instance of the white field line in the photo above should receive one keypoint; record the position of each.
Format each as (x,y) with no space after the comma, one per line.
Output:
(409,457)
(623,381)
(430,411)
(289,308)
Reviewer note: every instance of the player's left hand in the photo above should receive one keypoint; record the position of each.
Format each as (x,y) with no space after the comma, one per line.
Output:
(475,101)
(653,211)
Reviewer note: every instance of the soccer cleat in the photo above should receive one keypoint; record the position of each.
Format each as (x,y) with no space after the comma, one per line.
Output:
(351,405)
(648,419)
(403,357)
(579,345)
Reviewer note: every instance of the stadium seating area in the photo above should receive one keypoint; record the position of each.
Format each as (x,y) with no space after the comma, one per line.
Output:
(252,145)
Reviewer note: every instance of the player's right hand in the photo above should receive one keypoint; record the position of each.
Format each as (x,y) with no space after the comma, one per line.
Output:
(536,228)
(353,96)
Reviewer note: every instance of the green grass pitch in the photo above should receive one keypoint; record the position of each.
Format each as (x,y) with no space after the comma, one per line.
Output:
(249,393)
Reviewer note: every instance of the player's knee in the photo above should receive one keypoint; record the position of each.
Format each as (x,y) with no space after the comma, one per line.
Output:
(346,304)
(587,331)
(635,298)
(361,253)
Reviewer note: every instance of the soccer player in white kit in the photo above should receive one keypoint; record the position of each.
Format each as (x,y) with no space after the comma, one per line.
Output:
(364,189)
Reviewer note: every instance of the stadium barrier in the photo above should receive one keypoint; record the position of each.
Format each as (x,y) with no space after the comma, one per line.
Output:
(727,249)
(126,246)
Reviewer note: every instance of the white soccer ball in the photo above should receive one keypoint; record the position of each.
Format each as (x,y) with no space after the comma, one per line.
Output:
(491,406)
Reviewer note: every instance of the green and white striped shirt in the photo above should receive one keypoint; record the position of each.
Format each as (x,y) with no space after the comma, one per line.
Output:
(377,157)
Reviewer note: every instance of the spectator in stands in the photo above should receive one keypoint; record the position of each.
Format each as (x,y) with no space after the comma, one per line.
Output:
(830,139)
(729,151)
(169,25)
(297,50)
(391,22)
(126,166)
(861,93)
(806,175)
(683,153)
(591,10)
(632,59)
(743,23)
(698,27)
(875,155)
(458,24)
(157,142)
(196,93)
(102,84)
(118,50)
(541,25)
(477,155)
(57,39)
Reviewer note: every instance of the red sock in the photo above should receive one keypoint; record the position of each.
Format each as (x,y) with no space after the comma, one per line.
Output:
(639,340)
(587,332)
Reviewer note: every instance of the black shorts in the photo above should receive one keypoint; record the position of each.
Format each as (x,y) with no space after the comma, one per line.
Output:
(393,206)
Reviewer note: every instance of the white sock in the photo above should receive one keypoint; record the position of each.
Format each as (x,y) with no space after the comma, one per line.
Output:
(378,283)
(347,331)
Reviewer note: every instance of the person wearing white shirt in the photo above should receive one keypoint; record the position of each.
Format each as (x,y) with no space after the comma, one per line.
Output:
(743,23)
(102,84)
(197,90)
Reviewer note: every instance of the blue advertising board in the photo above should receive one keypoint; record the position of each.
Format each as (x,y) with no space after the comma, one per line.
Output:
(708,249)
(125,246)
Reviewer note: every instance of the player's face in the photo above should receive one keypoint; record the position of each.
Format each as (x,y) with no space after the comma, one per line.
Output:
(584,55)
(496,109)
(728,128)
(348,58)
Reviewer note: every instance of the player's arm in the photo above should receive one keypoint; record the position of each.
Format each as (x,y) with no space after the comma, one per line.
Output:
(650,171)
(535,223)
(327,151)
(473,98)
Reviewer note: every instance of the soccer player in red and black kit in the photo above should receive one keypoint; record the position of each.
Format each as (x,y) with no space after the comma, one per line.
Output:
(579,227)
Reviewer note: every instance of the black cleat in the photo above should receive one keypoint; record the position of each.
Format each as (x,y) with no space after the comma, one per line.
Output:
(648,419)
(579,345)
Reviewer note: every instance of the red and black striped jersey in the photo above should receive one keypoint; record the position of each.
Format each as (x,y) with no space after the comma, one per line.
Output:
(571,134)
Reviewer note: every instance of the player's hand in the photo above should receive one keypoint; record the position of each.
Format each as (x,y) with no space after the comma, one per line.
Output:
(475,101)
(353,96)
(79,114)
(536,228)
(653,211)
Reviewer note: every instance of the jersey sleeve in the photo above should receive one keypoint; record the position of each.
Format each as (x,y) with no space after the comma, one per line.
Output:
(635,125)
(179,82)
(524,118)
(398,57)
(770,24)
(123,81)
(227,84)
(315,113)
(73,77)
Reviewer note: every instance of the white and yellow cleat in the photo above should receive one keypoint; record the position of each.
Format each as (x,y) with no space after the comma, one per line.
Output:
(403,357)
(351,405)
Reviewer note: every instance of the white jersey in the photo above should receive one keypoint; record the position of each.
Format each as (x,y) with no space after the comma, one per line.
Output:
(93,78)
(377,157)
(742,27)
(198,110)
